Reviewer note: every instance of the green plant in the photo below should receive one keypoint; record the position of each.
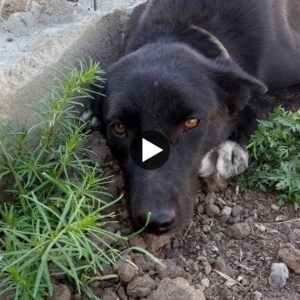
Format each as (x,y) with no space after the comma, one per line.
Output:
(275,156)
(52,214)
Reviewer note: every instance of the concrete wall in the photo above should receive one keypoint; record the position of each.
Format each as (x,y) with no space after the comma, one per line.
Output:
(28,59)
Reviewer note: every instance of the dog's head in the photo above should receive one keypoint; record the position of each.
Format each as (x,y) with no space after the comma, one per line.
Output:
(188,98)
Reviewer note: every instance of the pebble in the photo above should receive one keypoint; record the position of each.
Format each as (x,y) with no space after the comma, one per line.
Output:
(212,210)
(205,282)
(126,269)
(236,210)
(226,211)
(239,230)
(281,218)
(257,295)
(291,256)
(207,268)
(279,275)
(261,227)
(275,207)
(155,243)
(206,228)
(141,286)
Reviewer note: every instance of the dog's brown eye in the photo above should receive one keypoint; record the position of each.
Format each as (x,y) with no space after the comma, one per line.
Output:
(119,128)
(191,123)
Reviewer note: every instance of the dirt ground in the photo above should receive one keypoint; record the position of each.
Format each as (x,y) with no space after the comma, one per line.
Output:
(226,252)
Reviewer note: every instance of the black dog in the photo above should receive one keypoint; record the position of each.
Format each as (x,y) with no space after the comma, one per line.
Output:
(190,69)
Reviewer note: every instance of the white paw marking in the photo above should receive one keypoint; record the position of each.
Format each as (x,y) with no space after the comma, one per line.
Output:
(227,160)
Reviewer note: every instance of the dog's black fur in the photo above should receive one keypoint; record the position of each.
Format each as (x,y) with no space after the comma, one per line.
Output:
(173,71)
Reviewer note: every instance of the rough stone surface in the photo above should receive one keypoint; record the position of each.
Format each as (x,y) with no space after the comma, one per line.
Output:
(291,256)
(141,286)
(239,230)
(61,292)
(178,289)
(279,275)
(126,269)
(226,211)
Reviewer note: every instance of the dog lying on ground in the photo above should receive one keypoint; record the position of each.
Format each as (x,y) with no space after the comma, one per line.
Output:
(190,69)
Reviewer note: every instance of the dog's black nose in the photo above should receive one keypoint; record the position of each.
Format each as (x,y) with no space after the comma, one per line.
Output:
(160,221)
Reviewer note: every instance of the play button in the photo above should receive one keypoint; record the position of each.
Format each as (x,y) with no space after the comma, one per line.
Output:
(150,150)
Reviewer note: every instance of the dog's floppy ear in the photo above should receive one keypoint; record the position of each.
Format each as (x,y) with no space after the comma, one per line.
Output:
(237,84)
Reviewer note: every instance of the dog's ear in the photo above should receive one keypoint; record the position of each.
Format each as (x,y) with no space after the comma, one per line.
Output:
(237,85)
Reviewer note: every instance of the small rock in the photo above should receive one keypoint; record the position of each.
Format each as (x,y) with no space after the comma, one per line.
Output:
(261,227)
(200,209)
(206,229)
(257,295)
(236,210)
(214,249)
(61,292)
(281,218)
(205,282)
(207,268)
(178,289)
(155,243)
(171,270)
(275,207)
(291,256)
(126,269)
(279,275)
(212,210)
(141,286)
(226,211)
(239,230)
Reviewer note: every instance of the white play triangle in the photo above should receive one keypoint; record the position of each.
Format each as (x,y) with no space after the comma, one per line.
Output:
(149,150)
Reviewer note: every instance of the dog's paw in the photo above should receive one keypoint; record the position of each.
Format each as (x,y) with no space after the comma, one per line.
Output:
(222,162)
(88,118)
